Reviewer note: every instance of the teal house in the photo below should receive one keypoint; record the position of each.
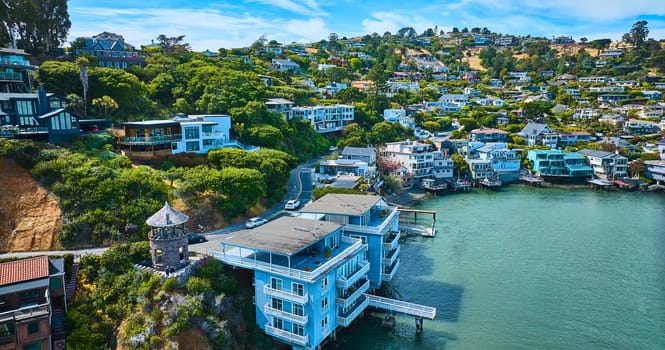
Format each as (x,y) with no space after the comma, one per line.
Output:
(556,166)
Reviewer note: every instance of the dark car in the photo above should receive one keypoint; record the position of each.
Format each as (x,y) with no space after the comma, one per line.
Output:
(193,238)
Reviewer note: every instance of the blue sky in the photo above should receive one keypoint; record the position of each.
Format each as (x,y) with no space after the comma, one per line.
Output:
(211,24)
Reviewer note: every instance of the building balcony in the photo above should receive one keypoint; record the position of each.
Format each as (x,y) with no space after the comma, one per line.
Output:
(25,312)
(393,241)
(391,256)
(150,140)
(389,271)
(351,295)
(286,336)
(344,318)
(282,294)
(378,223)
(285,315)
(345,282)
(8,76)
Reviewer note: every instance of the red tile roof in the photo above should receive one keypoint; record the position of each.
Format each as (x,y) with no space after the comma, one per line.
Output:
(24,270)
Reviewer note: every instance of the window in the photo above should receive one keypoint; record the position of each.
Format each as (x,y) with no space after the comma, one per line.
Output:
(277,304)
(192,146)
(275,283)
(208,142)
(278,323)
(191,133)
(298,329)
(324,303)
(158,256)
(324,322)
(298,289)
(30,297)
(207,129)
(298,310)
(33,327)
(181,251)
(324,283)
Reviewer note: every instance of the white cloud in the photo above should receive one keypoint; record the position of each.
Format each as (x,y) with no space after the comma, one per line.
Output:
(305,7)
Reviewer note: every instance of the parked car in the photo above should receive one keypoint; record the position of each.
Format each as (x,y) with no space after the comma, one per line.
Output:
(193,238)
(292,204)
(254,222)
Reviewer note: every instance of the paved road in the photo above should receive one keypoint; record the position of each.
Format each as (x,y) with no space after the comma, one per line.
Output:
(300,187)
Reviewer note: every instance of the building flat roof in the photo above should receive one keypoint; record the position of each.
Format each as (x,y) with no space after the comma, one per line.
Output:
(286,235)
(345,204)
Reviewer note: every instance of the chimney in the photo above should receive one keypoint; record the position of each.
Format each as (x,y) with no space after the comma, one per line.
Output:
(43,100)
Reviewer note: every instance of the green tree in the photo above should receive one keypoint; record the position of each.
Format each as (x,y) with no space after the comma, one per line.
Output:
(461,167)
(106,105)
(355,64)
(36,25)
(638,34)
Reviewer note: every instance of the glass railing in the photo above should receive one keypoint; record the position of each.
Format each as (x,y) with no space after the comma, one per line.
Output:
(151,139)
(351,296)
(389,272)
(346,281)
(344,318)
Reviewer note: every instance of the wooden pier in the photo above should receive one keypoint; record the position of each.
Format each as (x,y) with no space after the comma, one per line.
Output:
(600,184)
(489,183)
(530,179)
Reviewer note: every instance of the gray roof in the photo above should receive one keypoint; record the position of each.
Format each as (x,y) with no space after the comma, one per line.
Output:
(167,216)
(533,129)
(153,123)
(345,204)
(279,101)
(286,235)
(359,151)
(593,153)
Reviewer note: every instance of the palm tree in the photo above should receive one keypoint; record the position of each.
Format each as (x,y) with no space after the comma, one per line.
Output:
(83,62)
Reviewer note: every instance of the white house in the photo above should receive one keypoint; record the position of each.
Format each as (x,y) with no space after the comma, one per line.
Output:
(539,134)
(326,118)
(202,133)
(606,165)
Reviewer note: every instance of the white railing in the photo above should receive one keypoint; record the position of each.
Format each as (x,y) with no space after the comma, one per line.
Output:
(394,243)
(373,229)
(286,335)
(346,302)
(402,306)
(346,282)
(302,299)
(389,276)
(269,310)
(309,276)
(345,321)
(391,259)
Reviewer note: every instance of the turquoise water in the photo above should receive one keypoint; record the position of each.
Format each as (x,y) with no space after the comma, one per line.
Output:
(532,268)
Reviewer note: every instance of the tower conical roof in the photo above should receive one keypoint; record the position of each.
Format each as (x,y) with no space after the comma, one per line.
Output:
(167,216)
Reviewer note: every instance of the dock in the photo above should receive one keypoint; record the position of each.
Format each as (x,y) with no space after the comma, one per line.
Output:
(416,211)
(531,179)
(403,307)
(412,228)
(600,184)
(489,183)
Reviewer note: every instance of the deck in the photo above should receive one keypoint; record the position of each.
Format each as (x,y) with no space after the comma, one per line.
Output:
(402,307)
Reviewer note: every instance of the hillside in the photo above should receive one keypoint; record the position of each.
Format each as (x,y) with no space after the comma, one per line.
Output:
(31,218)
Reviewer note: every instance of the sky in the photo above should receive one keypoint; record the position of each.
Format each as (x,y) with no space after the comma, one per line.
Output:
(213,24)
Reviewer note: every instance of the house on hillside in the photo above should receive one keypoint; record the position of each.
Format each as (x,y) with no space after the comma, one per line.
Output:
(365,154)
(285,65)
(325,119)
(15,71)
(37,116)
(539,134)
(606,165)
(110,49)
(32,304)
(489,135)
(281,105)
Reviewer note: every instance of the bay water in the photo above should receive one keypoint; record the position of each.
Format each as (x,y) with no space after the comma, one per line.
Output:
(531,268)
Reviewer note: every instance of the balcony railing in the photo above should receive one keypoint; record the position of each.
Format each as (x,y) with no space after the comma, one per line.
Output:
(374,229)
(393,243)
(11,76)
(283,294)
(25,312)
(150,140)
(344,319)
(391,257)
(346,301)
(346,282)
(286,335)
(233,257)
(389,272)
(269,310)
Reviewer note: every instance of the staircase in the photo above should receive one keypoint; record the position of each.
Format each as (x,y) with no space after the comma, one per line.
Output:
(70,287)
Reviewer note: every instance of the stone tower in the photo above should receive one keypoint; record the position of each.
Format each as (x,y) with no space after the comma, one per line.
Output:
(168,238)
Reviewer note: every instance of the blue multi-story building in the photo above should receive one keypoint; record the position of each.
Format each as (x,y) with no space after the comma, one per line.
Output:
(370,219)
(309,278)
(312,273)
(556,165)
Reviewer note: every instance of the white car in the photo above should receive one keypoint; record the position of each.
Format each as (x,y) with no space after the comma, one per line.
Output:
(292,204)
(254,222)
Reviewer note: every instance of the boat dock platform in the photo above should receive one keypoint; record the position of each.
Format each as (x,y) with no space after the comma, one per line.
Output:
(600,184)
(403,307)
(416,211)
(412,228)
(531,179)
(489,183)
